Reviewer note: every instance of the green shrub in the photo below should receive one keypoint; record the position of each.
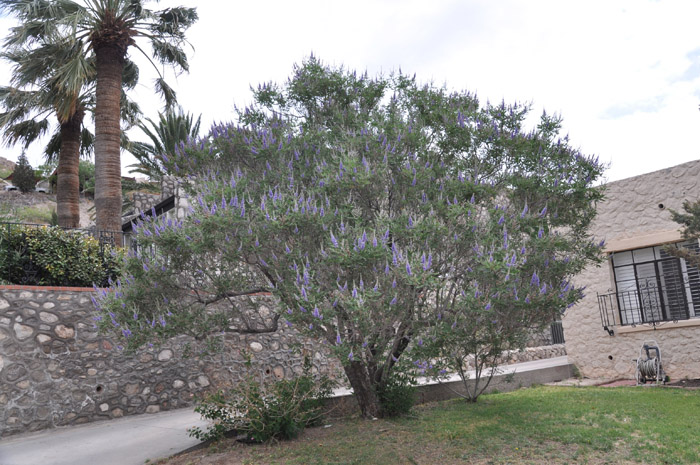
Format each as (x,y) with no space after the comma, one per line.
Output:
(55,257)
(23,176)
(279,410)
(397,395)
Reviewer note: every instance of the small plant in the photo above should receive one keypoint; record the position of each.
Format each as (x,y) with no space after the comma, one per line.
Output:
(575,372)
(397,395)
(263,412)
(54,218)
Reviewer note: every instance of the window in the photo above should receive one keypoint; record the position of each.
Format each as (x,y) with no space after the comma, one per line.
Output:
(653,286)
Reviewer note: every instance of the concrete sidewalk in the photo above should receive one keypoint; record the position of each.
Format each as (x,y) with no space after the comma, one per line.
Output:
(124,441)
(136,439)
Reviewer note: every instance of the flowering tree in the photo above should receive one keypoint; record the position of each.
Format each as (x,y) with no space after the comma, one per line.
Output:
(375,211)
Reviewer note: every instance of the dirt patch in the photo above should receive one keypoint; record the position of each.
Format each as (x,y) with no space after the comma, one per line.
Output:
(686,383)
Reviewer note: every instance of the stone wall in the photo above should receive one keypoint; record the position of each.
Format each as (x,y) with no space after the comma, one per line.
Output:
(56,370)
(143,201)
(635,214)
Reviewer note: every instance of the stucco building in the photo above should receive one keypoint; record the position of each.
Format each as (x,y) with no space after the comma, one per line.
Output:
(640,292)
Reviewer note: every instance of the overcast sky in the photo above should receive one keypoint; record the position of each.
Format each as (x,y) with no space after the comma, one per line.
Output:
(624,74)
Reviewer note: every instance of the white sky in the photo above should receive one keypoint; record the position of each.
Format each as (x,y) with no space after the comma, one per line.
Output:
(624,74)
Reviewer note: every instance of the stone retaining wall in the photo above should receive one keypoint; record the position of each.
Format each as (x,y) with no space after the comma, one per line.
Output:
(56,370)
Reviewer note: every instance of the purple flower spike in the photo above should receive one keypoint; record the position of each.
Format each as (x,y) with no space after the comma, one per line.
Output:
(337,340)
(408,268)
(350,356)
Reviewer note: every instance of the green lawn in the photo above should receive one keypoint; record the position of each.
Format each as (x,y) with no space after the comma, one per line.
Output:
(542,425)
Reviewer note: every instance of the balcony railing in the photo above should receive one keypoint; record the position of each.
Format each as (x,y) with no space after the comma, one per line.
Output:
(649,304)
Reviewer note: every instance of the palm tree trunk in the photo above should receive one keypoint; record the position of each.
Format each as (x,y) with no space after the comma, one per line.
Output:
(67,174)
(108,185)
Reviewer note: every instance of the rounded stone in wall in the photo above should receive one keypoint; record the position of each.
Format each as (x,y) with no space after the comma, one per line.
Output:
(165,355)
(48,317)
(278,371)
(256,347)
(2,363)
(64,332)
(23,332)
(15,372)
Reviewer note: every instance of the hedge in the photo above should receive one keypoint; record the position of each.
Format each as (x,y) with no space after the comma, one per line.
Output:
(50,256)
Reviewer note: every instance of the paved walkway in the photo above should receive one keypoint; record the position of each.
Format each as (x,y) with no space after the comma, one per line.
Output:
(124,441)
(136,439)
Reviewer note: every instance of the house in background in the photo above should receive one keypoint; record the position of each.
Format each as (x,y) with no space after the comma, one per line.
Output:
(640,292)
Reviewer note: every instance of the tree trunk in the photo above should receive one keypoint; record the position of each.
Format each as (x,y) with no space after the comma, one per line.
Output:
(361,383)
(108,185)
(67,174)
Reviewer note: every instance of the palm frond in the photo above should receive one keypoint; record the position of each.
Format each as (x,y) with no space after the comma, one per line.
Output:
(52,151)
(130,75)
(170,54)
(166,92)
(87,143)
(26,132)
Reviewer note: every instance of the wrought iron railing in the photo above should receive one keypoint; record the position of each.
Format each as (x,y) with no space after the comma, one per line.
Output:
(30,271)
(648,304)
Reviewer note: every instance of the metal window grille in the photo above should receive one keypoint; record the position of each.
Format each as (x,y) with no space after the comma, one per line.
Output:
(652,287)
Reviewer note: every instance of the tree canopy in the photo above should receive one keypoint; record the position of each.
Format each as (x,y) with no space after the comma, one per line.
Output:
(100,34)
(380,213)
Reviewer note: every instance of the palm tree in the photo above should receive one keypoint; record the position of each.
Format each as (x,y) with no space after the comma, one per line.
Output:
(171,128)
(108,29)
(34,98)
(41,63)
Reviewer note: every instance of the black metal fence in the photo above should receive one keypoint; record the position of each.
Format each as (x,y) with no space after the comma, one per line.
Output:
(19,266)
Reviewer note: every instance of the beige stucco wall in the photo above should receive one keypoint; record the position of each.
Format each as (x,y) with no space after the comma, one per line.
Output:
(631,217)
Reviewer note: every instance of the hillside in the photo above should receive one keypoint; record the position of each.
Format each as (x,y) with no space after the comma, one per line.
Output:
(35,207)
(6,165)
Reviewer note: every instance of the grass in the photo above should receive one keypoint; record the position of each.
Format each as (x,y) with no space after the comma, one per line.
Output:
(542,425)
(36,214)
